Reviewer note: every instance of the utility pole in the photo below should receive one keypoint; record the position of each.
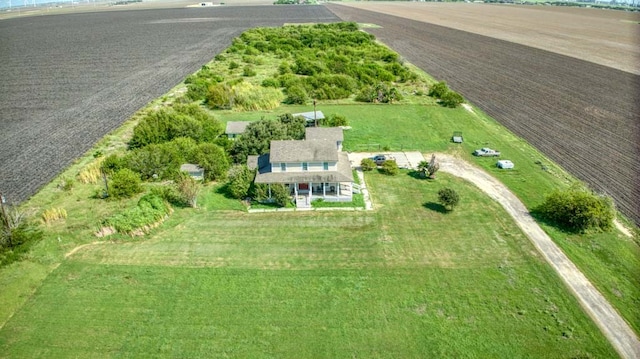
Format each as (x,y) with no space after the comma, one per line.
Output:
(315,117)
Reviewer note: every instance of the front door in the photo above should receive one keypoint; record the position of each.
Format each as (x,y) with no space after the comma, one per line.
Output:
(303,186)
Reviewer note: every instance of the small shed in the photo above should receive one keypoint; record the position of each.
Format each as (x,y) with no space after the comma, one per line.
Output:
(310,117)
(236,128)
(504,164)
(195,171)
(457,137)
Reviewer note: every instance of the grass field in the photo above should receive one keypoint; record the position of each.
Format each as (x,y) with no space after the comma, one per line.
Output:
(610,260)
(407,280)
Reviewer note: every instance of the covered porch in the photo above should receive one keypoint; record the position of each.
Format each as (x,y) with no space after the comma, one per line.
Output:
(306,192)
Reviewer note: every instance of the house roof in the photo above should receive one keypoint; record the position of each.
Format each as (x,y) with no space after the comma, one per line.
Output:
(303,151)
(236,127)
(342,174)
(310,116)
(324,133)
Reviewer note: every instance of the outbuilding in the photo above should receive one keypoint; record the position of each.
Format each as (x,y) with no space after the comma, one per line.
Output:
(504,164)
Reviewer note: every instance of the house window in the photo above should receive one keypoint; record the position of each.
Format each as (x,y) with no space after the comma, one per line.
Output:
(305,166)
(325,166)
(283,167)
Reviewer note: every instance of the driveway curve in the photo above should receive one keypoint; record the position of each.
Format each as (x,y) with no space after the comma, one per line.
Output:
(619,333)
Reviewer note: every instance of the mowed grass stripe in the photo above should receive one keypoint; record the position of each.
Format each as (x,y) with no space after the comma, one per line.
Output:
(141,311)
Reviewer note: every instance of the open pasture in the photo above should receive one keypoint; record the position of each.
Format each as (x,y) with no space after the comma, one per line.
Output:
(67,80)
(582,115)
(406,280)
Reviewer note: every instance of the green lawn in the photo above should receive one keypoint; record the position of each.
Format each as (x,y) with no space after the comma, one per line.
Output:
(407,280)
(610,260)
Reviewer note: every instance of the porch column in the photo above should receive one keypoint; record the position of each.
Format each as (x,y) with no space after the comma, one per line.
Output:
(310,192)
(324,190)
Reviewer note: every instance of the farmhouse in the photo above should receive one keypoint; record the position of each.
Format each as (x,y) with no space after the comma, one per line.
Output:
(311,169)
(311,117)
(235,128)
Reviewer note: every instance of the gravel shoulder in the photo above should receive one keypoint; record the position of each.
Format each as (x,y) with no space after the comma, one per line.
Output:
(603,314)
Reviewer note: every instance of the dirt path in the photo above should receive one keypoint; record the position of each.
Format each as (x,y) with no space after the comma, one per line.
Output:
(604,315)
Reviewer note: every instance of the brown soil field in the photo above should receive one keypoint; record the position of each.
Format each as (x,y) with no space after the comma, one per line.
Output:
(583,115)
(606,37)
(68,80)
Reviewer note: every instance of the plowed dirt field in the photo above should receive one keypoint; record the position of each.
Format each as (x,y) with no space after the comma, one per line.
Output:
(583,115)
(67,80)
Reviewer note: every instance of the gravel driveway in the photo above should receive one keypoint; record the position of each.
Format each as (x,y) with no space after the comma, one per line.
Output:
(621,336)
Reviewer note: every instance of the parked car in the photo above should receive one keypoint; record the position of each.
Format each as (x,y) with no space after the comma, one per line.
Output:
(505,164)
(486,152)
(379,159)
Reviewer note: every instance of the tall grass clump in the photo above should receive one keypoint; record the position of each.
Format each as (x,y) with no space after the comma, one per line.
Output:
(91,173)
(53,214)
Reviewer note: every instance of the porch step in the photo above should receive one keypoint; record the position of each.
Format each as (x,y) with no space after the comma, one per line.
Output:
(303,202)
(356,188)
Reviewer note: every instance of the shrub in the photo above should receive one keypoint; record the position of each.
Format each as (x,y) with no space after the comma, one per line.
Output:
(280,194)
(390,167)
(124,183)
(451,99)
(439,89)
(66,184)
(150,209)
(578,209)
(449,198)
(335,120)
(240,179)
(112,164)
(270,82)
(233,65)
(367,164)
(296,95)
(188,189)
(248,71)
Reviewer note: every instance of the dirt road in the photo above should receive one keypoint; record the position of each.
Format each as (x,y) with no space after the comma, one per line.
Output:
(603,314)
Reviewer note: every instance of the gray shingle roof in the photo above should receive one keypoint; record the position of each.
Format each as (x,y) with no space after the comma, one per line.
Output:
(236,127)
(324,133)
(303,151)
(343,174)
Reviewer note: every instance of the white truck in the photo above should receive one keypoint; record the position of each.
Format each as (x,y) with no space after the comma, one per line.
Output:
(486,152)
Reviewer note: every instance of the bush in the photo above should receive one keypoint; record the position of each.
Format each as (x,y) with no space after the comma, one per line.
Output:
(296,95)
(451,99)
(188,189)
(233,65)
(240,179)
(155,162)
(578,209)
(439,89)
(280,194)
(214,161)
(390,167)
(270,82)
(124,184)
(367,164)
(449,198)
(335,121)
(248,71)
(150,209)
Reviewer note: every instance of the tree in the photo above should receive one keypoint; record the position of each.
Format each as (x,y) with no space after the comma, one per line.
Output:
(438,90)
(188,188)
(578,209)
(124,184)
(423,167)
(240,179)
(451,99)
(296,95)
(257,138)
(449,198)
(390,167)
(367,164)
(213,159)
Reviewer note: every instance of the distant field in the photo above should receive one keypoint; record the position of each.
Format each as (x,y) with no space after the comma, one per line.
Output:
(582,115)
(403,281)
